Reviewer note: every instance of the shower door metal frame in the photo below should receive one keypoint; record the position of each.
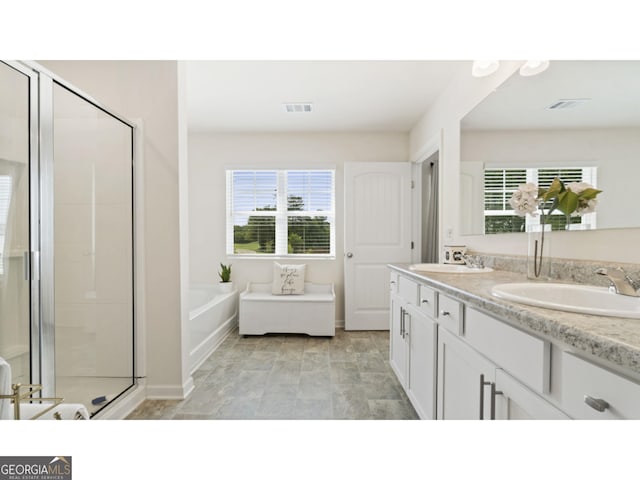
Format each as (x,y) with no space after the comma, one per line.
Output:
(43,323)
(32,269)
(47,298)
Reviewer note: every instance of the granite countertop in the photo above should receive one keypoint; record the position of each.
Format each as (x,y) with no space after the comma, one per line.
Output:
(614,340)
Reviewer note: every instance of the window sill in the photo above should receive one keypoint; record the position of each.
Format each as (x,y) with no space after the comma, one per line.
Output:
(282,257)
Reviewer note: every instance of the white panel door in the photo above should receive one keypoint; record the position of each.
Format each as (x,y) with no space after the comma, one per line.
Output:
(377,232)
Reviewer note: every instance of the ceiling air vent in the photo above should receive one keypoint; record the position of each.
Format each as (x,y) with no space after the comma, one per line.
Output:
(298,107)
(567,103)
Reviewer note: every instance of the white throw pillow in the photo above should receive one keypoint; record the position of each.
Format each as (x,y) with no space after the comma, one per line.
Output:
(288,279)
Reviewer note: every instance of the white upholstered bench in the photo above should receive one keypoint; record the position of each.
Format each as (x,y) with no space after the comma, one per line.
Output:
(313,313)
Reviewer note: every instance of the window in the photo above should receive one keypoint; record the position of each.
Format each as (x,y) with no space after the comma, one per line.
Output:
(500,183)
(280,212)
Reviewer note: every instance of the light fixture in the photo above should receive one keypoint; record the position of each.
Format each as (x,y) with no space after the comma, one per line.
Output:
(533,67)
(482,68)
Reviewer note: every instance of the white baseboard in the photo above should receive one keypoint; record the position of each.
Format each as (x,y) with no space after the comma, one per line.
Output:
(170,392)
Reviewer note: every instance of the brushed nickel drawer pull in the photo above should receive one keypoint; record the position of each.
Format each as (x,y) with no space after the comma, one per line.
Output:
(482,385)
(596,403)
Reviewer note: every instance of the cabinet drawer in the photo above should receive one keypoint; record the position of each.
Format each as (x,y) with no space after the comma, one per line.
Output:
(450,314)
(582,379)
(524,356)
(428,300)
(408,290)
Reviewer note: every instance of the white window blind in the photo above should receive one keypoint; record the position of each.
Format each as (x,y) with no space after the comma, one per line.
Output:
(281,212)
(500,183)
(5,202)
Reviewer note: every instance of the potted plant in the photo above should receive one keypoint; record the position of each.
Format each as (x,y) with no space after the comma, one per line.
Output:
(226,285)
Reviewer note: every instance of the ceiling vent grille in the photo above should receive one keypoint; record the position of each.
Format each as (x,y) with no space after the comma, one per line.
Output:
(298,107)
(567,103)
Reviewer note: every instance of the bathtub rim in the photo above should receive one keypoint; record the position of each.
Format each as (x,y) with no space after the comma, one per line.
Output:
(218,297)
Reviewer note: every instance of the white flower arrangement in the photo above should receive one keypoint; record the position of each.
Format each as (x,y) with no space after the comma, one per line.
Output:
(574,198)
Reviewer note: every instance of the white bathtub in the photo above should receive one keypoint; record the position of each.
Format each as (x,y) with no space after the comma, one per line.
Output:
(212,315)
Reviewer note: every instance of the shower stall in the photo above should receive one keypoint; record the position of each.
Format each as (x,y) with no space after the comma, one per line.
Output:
(66,239)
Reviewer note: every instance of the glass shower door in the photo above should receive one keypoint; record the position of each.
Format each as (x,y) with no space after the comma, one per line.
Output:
(15,275)
(93,245)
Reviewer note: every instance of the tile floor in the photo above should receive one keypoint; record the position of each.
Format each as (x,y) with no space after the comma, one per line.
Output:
(292,377)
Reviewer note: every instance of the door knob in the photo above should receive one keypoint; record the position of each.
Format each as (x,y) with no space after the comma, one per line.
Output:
(349,254)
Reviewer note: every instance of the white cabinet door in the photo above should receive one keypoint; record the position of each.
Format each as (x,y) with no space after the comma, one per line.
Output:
(514,401)
(397,345)
(422,343)
(464,380)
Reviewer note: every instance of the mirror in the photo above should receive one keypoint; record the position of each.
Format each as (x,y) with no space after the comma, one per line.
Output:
(577,116)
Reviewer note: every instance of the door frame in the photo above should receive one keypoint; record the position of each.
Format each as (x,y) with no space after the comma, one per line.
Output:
(433,146)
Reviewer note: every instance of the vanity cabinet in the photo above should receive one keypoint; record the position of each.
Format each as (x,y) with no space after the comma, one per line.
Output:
(412,346)
(471,386)
(456,362)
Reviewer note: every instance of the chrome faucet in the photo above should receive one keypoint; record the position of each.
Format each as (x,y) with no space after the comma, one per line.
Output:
(620,281)
(472,262)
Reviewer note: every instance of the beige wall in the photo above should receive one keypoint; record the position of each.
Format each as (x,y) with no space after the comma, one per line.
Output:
(148,90)
(210,154)
(462,95)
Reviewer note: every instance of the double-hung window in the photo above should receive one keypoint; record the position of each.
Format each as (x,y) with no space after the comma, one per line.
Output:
(281,212)
(500,183)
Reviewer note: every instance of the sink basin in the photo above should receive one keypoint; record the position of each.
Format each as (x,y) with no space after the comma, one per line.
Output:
(570,298)
(446,268)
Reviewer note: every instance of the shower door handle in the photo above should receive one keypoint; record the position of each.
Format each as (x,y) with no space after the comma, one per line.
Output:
(35,266)
(26,260)
(31,266)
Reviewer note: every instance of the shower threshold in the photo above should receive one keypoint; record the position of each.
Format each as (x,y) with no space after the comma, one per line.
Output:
(87,389)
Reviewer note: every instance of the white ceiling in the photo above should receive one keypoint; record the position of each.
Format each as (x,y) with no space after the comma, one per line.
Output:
(613,88)
(347,96)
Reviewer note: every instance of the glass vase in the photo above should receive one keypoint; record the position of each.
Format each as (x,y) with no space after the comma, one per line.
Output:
(538,252)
